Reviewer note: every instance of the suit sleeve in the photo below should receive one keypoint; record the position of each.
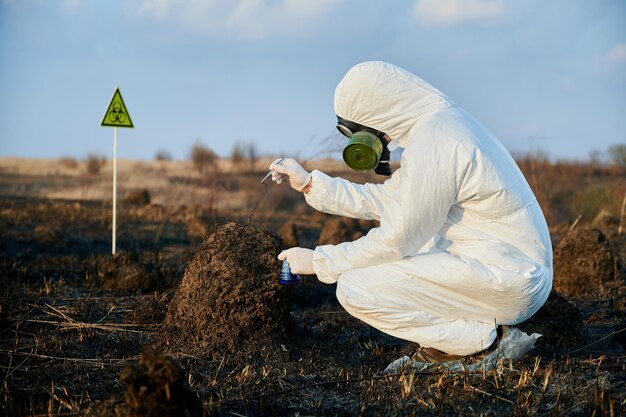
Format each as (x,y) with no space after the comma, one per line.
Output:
(342,197)
(427,187)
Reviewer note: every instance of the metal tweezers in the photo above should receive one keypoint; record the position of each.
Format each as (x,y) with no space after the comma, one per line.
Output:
(270,173)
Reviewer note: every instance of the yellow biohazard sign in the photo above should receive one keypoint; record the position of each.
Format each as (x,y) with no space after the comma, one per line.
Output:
(117,114)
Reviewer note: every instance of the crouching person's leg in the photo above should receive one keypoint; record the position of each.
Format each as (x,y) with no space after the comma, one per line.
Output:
(399,305)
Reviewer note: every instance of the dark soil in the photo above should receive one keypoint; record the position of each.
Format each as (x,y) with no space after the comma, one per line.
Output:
(230,293)
(75,323)
(559,322)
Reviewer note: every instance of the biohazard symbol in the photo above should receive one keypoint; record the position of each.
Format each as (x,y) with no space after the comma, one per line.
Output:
(117,114)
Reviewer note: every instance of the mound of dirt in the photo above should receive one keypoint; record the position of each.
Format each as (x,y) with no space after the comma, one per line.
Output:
(138,197)
(338,230)
(124,273)
(156,387)
(585,267)
(230,294)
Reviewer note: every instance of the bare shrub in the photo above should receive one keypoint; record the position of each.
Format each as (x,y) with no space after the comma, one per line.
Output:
(202,157)
(205,161)
(595,157)
(237,155)
(163,155)
(253,155)
(68,162)
(243,152)
(617,155)
(139,197)
(94,163)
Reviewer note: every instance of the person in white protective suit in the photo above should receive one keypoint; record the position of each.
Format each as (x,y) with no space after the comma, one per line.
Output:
(462,246)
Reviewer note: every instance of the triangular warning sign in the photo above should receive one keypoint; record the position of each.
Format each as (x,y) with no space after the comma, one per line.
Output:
(117,115)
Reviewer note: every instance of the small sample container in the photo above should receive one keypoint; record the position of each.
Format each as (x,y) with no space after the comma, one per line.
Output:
(286,277)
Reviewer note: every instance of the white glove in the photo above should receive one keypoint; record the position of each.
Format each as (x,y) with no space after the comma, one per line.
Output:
(290,169)
(300,260)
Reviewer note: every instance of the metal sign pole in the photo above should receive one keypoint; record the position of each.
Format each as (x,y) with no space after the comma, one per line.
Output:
(116,116)
(114,185)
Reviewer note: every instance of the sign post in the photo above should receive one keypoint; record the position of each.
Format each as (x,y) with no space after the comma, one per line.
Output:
(116,116)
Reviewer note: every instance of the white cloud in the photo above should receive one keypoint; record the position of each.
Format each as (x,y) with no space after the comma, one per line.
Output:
(454,12)
(617,54)
(257,18)
(249,19)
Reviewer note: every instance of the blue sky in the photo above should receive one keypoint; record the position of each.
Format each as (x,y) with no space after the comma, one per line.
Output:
(264,71)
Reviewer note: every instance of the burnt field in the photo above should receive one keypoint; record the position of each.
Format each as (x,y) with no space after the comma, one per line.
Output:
(188,319)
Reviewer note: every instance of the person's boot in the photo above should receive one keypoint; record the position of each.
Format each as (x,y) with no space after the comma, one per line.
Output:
(432,355)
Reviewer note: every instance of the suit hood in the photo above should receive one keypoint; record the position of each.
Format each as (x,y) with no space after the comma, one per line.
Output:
(386,98)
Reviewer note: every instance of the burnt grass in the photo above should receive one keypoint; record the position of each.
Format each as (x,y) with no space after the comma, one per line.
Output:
(85,333)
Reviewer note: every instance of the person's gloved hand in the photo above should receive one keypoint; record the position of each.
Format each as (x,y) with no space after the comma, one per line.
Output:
(300,260)
(290,169)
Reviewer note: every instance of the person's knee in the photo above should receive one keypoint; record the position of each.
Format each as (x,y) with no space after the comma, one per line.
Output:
(346,291)
(341,292)
(361,290)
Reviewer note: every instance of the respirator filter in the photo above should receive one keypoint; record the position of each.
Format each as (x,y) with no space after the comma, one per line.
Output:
(363,151)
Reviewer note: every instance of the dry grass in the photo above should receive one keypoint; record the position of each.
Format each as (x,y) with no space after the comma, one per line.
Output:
(566,190)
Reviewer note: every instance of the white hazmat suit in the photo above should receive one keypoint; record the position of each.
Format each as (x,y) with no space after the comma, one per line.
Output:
(462,244)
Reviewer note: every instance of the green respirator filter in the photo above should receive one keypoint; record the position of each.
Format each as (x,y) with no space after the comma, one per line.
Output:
(363,151)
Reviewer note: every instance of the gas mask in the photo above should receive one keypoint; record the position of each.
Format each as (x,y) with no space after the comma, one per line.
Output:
(366,149)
